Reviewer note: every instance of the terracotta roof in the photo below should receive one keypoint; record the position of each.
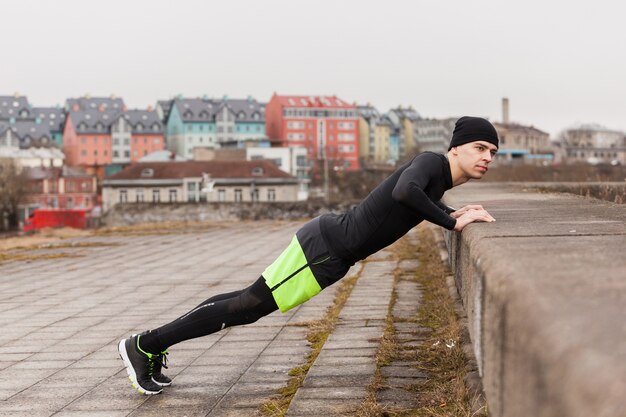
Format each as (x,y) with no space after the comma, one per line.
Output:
(314,101)
(195,169)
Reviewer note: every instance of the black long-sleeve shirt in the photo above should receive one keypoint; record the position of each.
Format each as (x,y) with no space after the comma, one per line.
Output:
(408,196)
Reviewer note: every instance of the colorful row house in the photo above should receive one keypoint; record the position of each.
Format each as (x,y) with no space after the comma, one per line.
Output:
(379,138)
(29,126)
(326,126)
(212,123)
(101,132)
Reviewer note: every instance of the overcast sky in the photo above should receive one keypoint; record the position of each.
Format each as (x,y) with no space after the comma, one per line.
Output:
(559,62)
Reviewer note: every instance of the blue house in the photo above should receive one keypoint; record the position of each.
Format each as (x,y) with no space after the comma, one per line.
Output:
(214,123)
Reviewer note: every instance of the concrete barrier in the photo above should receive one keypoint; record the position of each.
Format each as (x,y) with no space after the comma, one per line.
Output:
(544,288)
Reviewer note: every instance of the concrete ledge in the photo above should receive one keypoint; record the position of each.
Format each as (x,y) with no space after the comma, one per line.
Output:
(544,288)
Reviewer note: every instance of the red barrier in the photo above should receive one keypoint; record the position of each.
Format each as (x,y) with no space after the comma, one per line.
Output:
(42,218)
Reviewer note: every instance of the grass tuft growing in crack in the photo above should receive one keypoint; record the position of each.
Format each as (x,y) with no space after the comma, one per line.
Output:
(439,355)
(317,334)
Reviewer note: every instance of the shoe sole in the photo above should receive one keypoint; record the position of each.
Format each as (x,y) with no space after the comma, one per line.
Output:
(121,348)
(162,384)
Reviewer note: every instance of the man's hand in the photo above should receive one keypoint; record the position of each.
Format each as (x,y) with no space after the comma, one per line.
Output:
(458,213)
(470,216)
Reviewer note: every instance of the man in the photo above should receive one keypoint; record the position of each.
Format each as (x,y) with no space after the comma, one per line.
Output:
(323,250)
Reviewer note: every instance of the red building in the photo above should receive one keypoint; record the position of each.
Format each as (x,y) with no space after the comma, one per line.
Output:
(326,126)
(87,138)
(60,188)
(101,132)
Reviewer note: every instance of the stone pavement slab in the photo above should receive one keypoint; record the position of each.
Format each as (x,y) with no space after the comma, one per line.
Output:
(62,319)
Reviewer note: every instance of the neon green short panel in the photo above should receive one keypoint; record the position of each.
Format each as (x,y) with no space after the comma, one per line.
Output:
(297,289)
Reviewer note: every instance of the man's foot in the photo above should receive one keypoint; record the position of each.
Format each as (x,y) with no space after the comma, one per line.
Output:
(160,362)
(157,376)
(140,366)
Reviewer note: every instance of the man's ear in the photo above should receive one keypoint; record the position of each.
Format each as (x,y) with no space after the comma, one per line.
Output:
(454,151)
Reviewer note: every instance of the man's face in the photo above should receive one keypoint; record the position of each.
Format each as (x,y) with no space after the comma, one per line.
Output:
(474,158)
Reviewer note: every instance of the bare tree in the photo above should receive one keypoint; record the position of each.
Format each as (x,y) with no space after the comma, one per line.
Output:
(12,190)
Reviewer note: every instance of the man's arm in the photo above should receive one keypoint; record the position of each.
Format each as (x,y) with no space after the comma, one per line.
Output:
(409,190)
(447,209)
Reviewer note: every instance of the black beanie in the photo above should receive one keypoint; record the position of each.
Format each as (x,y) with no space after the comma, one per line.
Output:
(470,129)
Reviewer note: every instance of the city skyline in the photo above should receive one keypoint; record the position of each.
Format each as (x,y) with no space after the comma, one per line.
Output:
(559,64)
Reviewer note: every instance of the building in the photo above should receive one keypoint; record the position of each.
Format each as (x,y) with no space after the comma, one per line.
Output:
(593,144)
(54,119)
(385,147)
(34,157)
(213,123)
(135,134)
(24,134)
(521,143)
(112,104)
(87,137)
(368,120)
(292,160)
(40,126)
(405,119)
(525,144)
(14,107)
(101,133)
(60,187)
(326,126)
(434,134)
(199,182)
(163,109)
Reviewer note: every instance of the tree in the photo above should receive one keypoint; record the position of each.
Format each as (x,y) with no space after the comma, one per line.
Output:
(12,190)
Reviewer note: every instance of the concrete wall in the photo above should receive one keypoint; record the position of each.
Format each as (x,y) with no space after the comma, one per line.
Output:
(128,214)
(544,288)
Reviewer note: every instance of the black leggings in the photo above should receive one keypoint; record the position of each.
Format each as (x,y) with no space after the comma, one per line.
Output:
(218,312)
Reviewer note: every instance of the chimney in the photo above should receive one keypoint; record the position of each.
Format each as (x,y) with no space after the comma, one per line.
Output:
(505,110)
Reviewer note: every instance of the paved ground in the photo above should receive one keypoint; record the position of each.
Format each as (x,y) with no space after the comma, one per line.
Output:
(61,320)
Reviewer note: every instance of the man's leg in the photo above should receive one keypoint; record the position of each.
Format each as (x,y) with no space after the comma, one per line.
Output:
(142,354)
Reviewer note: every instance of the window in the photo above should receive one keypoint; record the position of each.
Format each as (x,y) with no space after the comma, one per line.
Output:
(83,141)
(123,196)
(271,194)
(173,196)
(257,171)
(147,172)
(156,141)
(192,188)
(156,196)
(116,141)
(295,125)
(126,154)
(221,195)
(116,154)
(301,160)
(70,203)
(139,195)
(238,195)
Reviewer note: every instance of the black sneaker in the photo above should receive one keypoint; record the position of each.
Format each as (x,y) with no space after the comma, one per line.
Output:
(157,375)
(139,365)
